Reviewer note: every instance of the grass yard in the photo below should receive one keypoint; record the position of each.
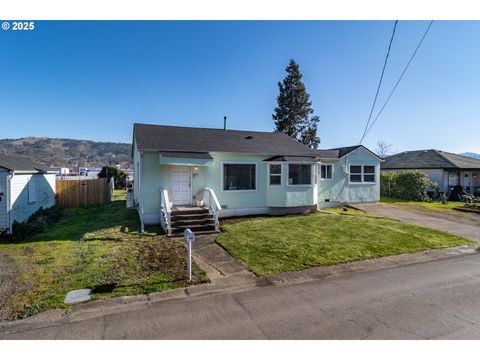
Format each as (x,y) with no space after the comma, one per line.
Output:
(97,247)
(438,206)
(269,245)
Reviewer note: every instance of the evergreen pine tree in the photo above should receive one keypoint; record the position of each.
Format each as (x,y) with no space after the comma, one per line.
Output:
(292,114)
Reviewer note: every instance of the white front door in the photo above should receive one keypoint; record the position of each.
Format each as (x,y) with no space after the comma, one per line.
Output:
(180,185)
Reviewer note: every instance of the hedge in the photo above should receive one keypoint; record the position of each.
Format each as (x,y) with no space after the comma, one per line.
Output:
(406,185)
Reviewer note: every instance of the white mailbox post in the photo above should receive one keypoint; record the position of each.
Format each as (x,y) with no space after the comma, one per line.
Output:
(189,237)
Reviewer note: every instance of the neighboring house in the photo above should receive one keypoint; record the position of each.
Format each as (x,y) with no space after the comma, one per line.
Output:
(446,169)
(25,187)
(61,171)
(238,173)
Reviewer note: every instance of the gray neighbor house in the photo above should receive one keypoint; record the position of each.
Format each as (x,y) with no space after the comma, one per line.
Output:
(25,187)
(444,168)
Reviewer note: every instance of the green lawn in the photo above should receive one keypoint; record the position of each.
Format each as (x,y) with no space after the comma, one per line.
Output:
(272,245)
(427,205)
(97,247)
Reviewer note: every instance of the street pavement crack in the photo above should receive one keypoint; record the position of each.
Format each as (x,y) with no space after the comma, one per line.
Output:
(250,316)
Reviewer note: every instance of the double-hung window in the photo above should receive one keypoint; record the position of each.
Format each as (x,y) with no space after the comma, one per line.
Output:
(239,177)
(362,174)
(275,174)
(326,171)
(369,174)
(299,174)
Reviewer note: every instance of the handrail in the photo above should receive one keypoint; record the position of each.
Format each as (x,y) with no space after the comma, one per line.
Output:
(165,211)
(211,202)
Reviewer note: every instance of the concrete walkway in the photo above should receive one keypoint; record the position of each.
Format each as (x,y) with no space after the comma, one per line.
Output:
(222,269)
(208,251)
(467,231)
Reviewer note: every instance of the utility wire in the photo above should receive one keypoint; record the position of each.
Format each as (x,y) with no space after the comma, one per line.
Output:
(380,82)
(400,78)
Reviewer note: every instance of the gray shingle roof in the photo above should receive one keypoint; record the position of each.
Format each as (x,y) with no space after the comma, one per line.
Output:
(337,153)
(342,151)
(21,163)
(298,159)
(197,140)
(429,159)
(328,154)
(187,155)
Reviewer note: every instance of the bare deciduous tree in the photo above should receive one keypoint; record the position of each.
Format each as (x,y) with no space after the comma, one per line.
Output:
(383,149)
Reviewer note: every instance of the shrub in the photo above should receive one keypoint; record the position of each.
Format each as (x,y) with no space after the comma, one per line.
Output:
(407,185)
(36,223)
(119,176)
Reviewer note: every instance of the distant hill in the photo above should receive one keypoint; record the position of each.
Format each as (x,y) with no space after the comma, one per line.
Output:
(472,155)
(69,152)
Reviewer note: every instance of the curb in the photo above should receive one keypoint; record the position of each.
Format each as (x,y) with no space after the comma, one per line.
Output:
(227,285)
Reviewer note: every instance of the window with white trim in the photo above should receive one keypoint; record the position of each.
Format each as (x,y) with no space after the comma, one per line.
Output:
(32,194)
(326,171)
(275,174)
(362,174)
(368,174)
(299,174)
(239,177)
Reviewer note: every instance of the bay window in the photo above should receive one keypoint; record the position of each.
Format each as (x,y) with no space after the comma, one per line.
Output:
(275,174)
(299,174)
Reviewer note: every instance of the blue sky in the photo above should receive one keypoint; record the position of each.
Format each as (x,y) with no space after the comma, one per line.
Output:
(93,80)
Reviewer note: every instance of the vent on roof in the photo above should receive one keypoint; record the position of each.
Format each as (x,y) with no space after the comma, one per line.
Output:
(248,137)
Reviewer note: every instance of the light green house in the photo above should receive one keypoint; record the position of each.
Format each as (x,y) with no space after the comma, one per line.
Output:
(181,173)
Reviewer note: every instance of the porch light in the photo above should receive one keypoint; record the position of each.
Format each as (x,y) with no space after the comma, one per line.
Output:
(195,168)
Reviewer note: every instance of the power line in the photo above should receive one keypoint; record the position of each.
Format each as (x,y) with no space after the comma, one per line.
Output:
(380,82)
(400,78)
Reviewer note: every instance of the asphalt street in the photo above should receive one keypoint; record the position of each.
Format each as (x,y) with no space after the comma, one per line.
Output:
(432,300)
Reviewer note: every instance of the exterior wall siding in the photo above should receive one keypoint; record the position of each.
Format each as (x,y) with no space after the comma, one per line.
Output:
(22,209)
(4,198)
(437,175)
(338,190)
(136,176)
(265,198)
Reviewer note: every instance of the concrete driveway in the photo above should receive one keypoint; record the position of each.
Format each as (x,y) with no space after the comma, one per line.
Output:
(456,226)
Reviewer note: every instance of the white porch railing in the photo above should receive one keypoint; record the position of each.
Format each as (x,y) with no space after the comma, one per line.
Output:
(211,202)
(165,212)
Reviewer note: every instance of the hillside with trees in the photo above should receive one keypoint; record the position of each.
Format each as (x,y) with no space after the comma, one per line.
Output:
(69,152)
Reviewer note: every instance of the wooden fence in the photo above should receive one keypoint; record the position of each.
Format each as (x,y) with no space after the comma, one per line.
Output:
(77,193)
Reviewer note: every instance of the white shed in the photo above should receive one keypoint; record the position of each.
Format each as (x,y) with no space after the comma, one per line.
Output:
(25,187)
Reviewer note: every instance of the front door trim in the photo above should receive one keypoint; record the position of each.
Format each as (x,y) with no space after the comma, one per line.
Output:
(186,197)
